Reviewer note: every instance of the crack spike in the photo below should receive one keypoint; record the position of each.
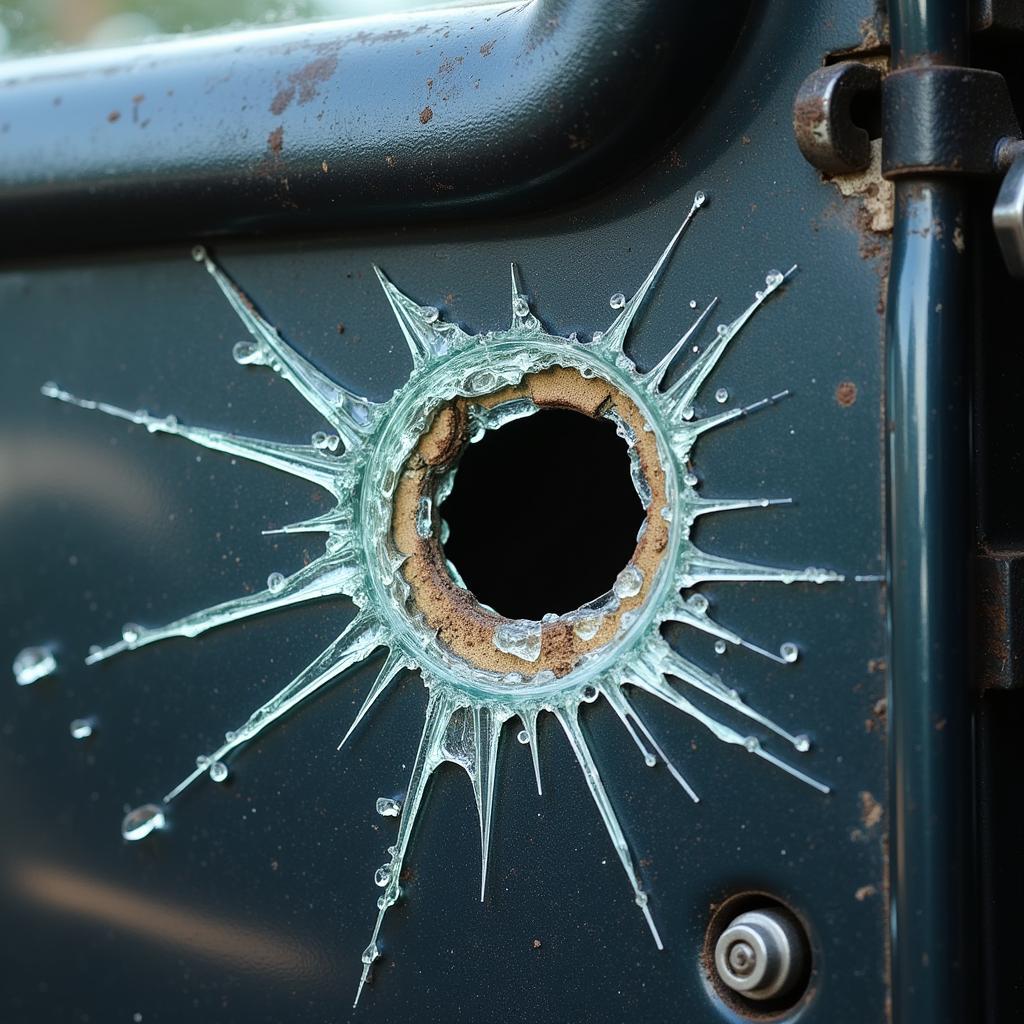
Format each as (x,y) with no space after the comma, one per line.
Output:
(329,522)
(487,728)
(683,613)
(425,341)
(349,414)
(651,680)
(529,720)
(614,338)
(359,638)
(701,567)
(438,715)
(394,663)
(683,392)
(327,576)
(699,506)
(628,715)
(673,664)
(653,378)
(569,720)
(297,460)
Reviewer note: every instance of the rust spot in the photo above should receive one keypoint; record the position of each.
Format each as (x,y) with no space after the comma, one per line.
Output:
(425,115)
(114,115)
(389,160)
(305,83)
(485,50)
(846,393)
(324,167)
(275,140)
(870,810)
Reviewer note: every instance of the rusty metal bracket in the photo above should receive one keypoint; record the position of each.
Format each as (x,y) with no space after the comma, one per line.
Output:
(999,643)
(828,113)
(943,119)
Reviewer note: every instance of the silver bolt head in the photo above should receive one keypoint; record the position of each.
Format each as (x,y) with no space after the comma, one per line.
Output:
(761,954)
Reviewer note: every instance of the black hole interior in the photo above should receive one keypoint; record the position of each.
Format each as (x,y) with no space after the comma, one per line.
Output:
(543,514)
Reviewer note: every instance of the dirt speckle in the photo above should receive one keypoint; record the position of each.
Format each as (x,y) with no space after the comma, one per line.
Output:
(864,892)
(536,943)
(114,115)
(870,810)
(275,140)
(485,50)
(425,115)
(846,393)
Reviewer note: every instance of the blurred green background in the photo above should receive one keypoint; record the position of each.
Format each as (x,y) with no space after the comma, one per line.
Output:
(34,26)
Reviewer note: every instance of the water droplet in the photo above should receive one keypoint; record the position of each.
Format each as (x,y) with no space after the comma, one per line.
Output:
(790,652)
(275,582)
(388,808)
(722,396)
(698,602)
(691,479)
(513,678)
(641,899)
(32,664)
(94,649)
(523,736)
(752,743)
(319,440)
(521,637)
(245,352)
(230,736)
(802,743)
(589,694)
(424,517)
(774,279)
(699,198)
(650,760)
(688,413)
(629,582)
(371,953)
(218,771)
(382,875)
(81,728)
(586,626)
(430,313)
(198,253)
(333,442)
(520,306)
(720,647)
(130,633)
(138,824)
(617,301)
(626,620)
(596,337)
(693,303)
(549,617)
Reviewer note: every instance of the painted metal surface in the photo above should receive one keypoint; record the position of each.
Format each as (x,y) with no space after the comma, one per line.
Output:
(252,908)
(400,118)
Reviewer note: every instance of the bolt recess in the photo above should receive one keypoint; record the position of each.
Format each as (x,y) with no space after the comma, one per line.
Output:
(762,954)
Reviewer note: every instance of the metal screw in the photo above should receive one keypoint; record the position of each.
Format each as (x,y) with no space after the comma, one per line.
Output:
(761,954)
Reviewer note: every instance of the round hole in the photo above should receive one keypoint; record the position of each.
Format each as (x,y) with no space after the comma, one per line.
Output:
(543,514)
